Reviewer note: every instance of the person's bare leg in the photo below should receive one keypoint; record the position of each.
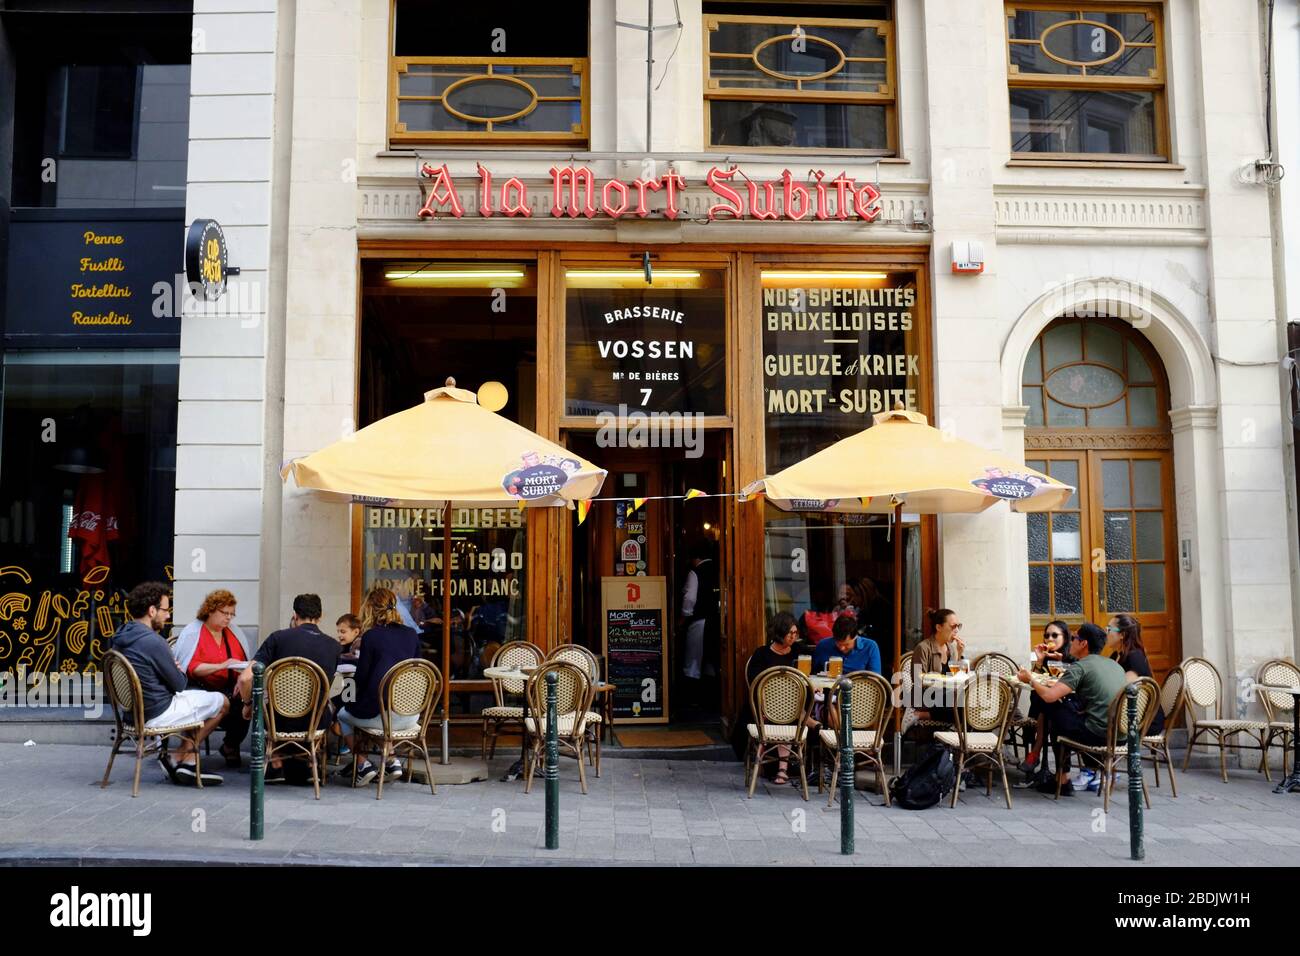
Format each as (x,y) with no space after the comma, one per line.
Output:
(189,745)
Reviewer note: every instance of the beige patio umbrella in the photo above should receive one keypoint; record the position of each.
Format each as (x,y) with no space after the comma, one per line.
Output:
(449,449)
(902,462)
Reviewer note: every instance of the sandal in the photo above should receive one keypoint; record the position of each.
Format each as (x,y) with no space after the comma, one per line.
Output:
(782,777)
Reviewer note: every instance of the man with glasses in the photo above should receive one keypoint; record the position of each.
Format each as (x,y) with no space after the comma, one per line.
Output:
(162,683)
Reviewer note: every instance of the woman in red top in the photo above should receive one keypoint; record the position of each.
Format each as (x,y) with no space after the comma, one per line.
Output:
(211,666)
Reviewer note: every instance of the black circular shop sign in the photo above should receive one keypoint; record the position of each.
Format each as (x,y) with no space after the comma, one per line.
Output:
(205,257)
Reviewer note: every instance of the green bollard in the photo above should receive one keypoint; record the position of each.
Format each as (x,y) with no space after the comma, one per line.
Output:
(552,764)
(1136,850)
(257,764)
(847,772)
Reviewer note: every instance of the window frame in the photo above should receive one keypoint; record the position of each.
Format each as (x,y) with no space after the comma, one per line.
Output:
(1156,85)
(886,95)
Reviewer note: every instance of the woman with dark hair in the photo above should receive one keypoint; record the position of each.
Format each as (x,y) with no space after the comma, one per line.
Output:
(782,636)
(1124,640)
(942,644)
(1055,647)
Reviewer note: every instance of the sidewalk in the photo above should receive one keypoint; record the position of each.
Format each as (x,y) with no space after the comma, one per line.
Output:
(640,811)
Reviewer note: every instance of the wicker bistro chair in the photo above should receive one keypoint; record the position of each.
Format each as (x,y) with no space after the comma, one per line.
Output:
(127,701)
(411,688)
(1204,690)
(1112,756)
(907,719)
(573,695)
(983,715)
(993,662)
(297,689)
(1278,706)
(871,697)
(582,658)
(501,714)
(781,702)
(1156,746)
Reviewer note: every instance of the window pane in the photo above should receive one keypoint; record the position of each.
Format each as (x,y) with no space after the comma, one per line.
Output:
(1104,345)
(1062,346)
(1033,397)
(797,124)
(1119,535)
(1037,524)
(1138,369)
(559,117)
(1030,24)
(1068,472)
(1119,588)
(1134,27)
(1151,587)
(1109,415)
(1083,121)
(1040,596)
(429,115)
(1065,536)
(1150,534)
(1033,373)
(1069,589)
(1085,385)
(1134,61)
(1146,483)
(426,79)
(1142,407)
(99,111)
(1114,483)
(1063,416)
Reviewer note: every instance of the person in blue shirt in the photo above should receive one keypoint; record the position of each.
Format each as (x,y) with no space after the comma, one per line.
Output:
(859,653)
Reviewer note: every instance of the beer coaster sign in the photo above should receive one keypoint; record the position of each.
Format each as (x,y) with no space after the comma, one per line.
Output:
(631,550)
(206,260)
(1015,486)
(539,478)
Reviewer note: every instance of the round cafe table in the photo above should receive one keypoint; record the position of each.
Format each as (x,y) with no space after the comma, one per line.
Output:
(1292,782)
(520,674)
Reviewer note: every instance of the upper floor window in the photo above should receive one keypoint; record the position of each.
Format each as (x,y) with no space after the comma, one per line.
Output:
(790,80)
(1087,81)
(484,77)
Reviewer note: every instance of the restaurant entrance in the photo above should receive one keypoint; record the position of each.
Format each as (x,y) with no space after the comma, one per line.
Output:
(659,629)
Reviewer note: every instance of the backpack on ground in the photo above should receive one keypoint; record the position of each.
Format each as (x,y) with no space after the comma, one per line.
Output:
(926,782)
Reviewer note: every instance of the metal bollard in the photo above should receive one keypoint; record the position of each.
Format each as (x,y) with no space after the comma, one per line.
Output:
(847,772)
(257,764)
(552,764)
(1136,850)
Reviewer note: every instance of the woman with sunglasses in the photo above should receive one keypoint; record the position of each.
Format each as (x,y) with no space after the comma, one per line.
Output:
(1055,647)
(1124,640)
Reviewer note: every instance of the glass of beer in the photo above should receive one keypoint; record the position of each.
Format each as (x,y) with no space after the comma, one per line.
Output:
(804,663)
(835,666)
(1055,668)
(954,667)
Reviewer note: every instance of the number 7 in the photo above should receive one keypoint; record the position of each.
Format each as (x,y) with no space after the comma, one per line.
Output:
(645,396)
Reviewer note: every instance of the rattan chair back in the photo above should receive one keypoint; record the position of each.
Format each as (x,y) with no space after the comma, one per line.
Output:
(781,696)
(1280,673)
(124,694)
(411,688)
(1148,699)
(995,663)
(514,654)
(572,692)
(985,701)
(1202,685)
(295,688)
(1171,696)
(578,656)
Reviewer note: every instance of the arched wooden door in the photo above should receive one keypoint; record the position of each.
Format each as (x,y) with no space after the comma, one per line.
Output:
(1098,419)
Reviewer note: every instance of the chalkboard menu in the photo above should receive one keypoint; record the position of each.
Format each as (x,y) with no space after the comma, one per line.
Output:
(633,612)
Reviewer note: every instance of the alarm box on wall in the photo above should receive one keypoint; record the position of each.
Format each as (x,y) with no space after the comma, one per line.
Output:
(967,256)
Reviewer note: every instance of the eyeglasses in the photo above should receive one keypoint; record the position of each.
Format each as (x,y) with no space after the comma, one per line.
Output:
(957,627)
(1113,630)
(222,610)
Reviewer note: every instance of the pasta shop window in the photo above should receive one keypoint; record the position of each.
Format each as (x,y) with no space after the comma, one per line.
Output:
(421,322)
(840,345)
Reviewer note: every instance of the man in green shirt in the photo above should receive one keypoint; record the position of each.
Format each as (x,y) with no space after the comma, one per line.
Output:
(1079,703)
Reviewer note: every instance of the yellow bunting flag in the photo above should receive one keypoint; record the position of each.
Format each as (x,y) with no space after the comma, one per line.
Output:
(866,503)
(695,493)
(521,505)
(637,503)
(583,508)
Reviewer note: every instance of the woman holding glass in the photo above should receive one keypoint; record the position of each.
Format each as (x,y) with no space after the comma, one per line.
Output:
(1052,654)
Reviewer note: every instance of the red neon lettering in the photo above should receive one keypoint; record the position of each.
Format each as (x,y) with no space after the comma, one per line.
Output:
(441,191)
(514,199)
(484,191)
(641,185)
(732,204)
(573,178)
(822,212)
(769,200)
(869,209)
(842,184)
(671,182)
(607,207)
(792,191)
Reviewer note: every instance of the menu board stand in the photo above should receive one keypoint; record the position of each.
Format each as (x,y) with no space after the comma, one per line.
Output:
(635,642)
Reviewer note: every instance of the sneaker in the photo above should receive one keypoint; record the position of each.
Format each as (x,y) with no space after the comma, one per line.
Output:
(231,754)
(394,770)
(345,750)
(165,761)
(1029,765)
(186,777)
(1048,787)
(366,772)
(1084,779)
(274,775)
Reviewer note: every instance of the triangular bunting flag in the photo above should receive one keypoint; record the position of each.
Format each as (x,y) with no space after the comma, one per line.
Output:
(866,503)
(583,508)
(521,504)
(694,493)
(637,503)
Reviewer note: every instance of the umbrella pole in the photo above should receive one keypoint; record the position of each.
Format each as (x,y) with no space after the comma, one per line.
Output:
(446,631)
